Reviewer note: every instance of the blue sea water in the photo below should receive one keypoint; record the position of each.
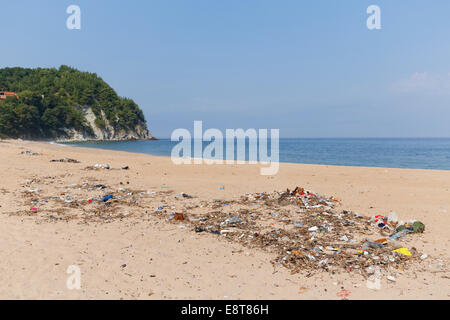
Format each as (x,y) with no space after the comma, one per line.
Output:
(416,153)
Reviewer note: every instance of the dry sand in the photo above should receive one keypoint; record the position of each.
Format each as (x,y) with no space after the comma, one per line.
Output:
(164,261)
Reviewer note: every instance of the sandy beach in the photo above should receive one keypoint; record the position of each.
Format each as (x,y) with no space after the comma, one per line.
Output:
(142,256)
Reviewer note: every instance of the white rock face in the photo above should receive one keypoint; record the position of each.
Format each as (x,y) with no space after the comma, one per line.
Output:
(104,134)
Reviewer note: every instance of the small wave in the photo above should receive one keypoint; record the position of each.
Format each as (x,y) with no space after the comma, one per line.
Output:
(58,144)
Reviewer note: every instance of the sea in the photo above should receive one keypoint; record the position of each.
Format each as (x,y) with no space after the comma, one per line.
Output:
(414,153)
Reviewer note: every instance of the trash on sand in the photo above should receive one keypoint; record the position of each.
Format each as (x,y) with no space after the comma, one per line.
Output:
(415,227)
(30,153)
(108,197)
(98,166)
(233,220)
(176,216)
(179,217)
(403,251)
(418,227)
(67,160)
(371,244)
(298,253)
(392,217)
(378,218)
(382,241)
(102,166)
(310,233)
(298,224)
(391,278)
(36,191)
(185,195)
(400,233)
(307,246)
(227,231)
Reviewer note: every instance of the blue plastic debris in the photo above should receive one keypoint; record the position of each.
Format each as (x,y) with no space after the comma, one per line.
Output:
(108,197)
(400,234)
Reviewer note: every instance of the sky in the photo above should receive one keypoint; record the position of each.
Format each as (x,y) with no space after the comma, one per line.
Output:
(310,68)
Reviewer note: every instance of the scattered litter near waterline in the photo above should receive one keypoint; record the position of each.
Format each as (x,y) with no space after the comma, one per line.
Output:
(66,160)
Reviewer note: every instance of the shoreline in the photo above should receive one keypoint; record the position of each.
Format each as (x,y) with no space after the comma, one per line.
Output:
(187,264)
(68,144)
(76,141)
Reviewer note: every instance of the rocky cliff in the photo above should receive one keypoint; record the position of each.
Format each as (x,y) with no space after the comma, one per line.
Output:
(104,133)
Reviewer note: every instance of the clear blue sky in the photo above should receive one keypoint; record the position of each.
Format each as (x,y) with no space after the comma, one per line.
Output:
(310,68)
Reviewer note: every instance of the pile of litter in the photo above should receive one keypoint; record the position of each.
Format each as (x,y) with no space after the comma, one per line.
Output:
(87,202)
(100,166)
(30,153)
(66,160)
(307,232)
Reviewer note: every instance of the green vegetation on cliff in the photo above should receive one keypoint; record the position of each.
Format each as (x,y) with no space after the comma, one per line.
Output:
(52,100)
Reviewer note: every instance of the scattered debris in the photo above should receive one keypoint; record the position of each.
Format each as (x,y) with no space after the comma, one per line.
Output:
(184,195)
(30,153)
(108,197)
(102,166)
(178,217)
(414,227)
(403,251)
(305,231)
(66,160)
(98,166)
(391,278)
